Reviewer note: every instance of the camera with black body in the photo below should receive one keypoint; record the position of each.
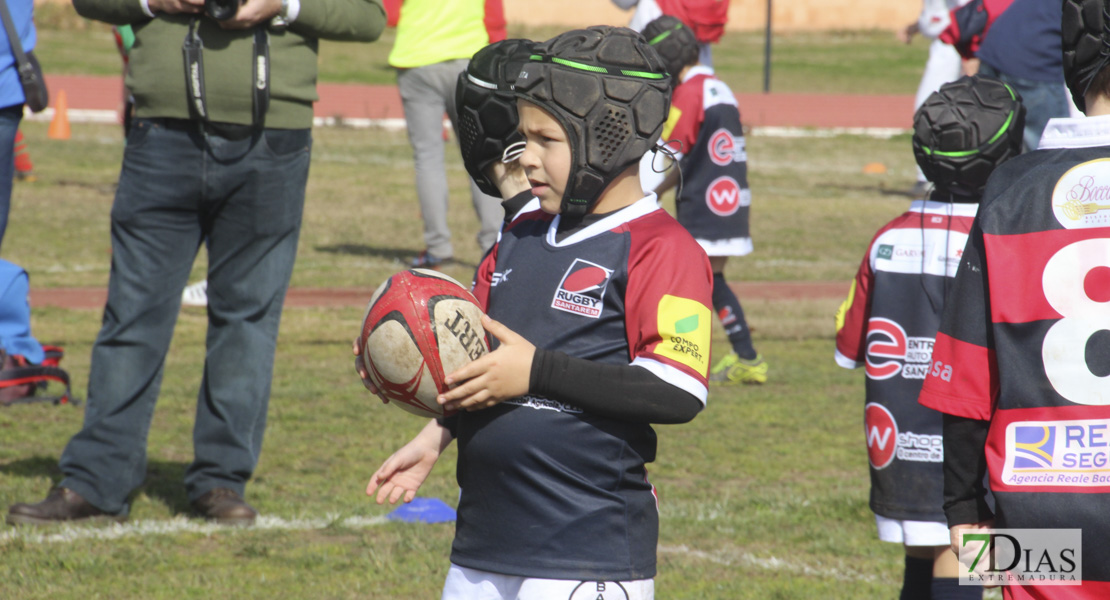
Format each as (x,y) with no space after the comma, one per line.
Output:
(222,10)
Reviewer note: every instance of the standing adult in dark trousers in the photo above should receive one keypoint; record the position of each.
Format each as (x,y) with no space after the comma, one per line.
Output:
(224,164)
(11,98)
(1017,41)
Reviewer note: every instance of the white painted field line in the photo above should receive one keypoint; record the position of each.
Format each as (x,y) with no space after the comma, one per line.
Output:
(765,563)
(71,532)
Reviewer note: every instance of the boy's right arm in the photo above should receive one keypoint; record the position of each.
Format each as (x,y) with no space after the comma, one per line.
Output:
(402,474)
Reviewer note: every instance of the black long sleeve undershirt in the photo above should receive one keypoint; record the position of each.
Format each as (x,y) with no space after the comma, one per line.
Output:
(623,392)
(965,465)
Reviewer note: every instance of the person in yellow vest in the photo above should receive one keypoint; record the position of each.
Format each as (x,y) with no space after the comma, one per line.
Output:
(434,43)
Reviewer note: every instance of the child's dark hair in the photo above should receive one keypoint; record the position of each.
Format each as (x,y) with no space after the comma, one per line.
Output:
(674,41)
(610,92)
(963,132)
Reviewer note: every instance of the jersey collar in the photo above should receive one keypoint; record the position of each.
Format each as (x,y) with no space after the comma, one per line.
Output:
(1082,132)
(950,209)
(647,204)
(696,70)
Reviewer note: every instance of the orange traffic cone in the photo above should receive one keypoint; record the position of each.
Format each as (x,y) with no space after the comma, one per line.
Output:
(59,125)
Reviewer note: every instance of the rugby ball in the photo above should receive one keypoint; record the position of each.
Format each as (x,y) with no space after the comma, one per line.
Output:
(420,325)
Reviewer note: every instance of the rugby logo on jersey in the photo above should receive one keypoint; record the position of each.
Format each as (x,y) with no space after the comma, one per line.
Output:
(724,196)
(582,289)
(725,148)
(1058,453)
(891,352)
(1081,198)
(684,327)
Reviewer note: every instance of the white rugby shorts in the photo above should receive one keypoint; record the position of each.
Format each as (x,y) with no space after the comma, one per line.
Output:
(912,533)
(471,584)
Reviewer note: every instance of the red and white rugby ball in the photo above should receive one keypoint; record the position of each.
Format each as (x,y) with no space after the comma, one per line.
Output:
(419,326)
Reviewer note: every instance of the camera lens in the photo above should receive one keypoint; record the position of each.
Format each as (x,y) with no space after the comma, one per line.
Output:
(221,10)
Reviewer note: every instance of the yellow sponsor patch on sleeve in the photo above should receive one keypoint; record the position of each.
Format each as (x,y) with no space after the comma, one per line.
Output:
(672,120)
(685,328)
(842,312)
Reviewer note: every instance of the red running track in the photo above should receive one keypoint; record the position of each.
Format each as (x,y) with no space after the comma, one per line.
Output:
(352,101)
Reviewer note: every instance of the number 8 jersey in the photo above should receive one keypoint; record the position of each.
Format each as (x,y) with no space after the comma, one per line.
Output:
(1025,338)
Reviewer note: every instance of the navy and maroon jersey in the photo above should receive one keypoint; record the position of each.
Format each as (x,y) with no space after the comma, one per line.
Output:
(704,131)
(887,325)
(549,490)
(1025,343)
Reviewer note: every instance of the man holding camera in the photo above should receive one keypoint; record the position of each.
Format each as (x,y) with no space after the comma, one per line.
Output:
(218,153)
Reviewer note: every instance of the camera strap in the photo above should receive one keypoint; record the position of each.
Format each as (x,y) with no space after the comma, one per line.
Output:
(193,51)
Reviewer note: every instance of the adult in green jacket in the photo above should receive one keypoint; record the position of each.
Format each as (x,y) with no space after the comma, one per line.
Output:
(218,154)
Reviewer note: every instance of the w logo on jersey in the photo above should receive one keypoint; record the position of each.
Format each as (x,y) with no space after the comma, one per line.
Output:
(582,289)
(724,196)
(882,435)
(725,148)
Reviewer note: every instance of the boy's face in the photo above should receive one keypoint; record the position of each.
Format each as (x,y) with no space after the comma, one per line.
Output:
(546,157)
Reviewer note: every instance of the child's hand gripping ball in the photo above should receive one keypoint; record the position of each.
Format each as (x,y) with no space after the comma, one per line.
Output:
(419,326)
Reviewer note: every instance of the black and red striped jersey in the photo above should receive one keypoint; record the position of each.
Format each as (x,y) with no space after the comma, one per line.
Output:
(704,131)
(1025,341)
(550,490)
(887,325)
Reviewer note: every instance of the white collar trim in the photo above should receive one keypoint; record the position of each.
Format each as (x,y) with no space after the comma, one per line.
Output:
(646,205)
(1081,132)
(951,209)
(696,70)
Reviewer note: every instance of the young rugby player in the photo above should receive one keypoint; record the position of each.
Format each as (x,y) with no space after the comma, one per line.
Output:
(704,133)
(888,323)
(1021,365)
(487,129)
(603,323)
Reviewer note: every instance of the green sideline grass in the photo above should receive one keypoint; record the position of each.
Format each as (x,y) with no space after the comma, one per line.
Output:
(764,495)
(843,62)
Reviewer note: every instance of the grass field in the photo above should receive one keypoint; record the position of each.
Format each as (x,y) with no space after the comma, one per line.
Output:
(764,495)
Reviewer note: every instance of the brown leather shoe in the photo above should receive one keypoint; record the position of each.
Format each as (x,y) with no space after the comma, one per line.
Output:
(61,504)
(225,507)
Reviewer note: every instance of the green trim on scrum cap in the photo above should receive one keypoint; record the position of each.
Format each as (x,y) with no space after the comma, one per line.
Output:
(962,153)
(578,65)
(645,74)
(659,38)
(597,68)
(956,154)
(1005,126)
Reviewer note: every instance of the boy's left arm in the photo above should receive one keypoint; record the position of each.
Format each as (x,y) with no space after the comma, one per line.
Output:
(668,300)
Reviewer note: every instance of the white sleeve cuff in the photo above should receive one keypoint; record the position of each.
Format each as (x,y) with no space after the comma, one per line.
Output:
(146,8)
(294,10)
(847,363)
